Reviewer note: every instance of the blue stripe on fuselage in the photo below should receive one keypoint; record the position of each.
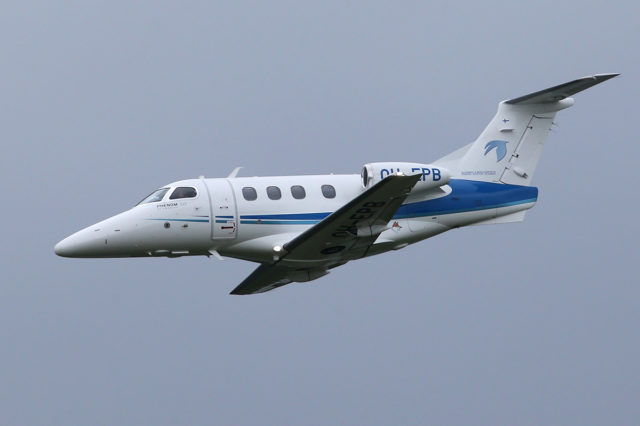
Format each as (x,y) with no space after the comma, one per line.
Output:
(278,222)
(180,220)
(466,195)
(290,216)
(470,195)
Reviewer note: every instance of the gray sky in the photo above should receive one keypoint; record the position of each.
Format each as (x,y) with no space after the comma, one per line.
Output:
(102,102)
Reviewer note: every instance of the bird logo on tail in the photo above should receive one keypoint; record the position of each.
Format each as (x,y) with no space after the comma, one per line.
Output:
(500,146)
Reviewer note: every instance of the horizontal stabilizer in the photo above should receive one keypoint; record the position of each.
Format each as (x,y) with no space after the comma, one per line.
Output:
(557,93)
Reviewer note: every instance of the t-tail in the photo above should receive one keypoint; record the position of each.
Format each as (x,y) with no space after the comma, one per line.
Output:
(509,149)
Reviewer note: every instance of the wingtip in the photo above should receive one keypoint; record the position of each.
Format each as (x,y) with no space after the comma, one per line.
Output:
(605,76)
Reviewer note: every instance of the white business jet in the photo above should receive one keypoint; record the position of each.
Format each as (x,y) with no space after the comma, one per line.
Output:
(299,227)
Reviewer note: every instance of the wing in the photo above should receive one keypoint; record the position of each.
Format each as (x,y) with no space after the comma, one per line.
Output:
(269,276)
(344,235)
(348,232)
(264,278)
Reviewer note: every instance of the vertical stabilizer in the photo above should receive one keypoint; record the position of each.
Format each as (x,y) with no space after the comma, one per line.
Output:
(509,148)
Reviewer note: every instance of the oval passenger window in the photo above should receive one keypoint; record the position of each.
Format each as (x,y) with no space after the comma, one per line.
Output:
(328,191)
(249,193)
(298,192)
(273,192)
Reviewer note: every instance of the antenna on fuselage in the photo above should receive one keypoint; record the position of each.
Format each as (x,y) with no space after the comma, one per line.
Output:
(234,173)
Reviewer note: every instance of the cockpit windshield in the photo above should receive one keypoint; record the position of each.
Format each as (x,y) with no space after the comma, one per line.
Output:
(155,196)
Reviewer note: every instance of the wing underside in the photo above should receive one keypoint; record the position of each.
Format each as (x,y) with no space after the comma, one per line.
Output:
(344,235)
(266,277)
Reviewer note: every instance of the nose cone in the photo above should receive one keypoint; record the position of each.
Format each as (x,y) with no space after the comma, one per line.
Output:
(85,243)
(113,237)
(64,248)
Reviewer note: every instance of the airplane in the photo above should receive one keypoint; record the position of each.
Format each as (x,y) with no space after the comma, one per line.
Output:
(298,228)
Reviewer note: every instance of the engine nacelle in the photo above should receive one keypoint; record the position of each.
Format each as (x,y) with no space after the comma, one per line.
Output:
(432,176)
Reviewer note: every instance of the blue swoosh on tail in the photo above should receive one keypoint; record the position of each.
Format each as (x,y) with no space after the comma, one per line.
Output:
(500,146)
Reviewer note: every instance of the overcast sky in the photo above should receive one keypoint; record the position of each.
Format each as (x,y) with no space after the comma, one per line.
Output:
(102,102)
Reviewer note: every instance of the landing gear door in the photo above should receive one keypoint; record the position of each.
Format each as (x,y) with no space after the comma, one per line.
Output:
(224,219)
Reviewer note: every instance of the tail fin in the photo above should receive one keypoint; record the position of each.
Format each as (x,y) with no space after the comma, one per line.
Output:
(509,148)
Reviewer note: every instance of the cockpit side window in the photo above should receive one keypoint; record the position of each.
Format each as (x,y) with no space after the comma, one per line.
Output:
(183,192)
(155,196)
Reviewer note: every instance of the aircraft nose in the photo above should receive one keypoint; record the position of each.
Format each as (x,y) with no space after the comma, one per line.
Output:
(61,248)
(78,245)
(112,237)
(65,248)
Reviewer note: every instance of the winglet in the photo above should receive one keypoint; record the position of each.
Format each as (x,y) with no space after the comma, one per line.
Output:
(557,93)
(234,172)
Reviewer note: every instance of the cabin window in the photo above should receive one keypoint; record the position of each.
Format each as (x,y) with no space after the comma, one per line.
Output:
(328,191)
(155,196)
(274,193)
(298,192)
(249,193)
(183,192)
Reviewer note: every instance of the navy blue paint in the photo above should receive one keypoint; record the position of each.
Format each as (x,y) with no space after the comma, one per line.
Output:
(181,220)
(470,195)
(466,195)
(292,216)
